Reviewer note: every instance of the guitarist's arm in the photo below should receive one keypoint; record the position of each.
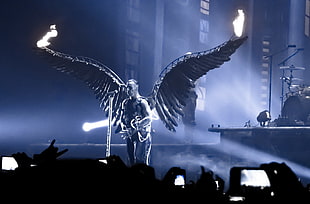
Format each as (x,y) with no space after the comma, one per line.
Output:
(146,119)
(121,127)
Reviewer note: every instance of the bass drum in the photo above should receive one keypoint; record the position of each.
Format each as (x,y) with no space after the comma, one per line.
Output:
(297,109)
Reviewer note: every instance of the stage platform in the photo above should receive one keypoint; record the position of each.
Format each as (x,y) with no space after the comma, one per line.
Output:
(291,142)
(274,131)
(284,139)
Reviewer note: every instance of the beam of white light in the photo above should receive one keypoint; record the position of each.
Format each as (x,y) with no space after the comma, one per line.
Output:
(87,126)
(90,126)
(44,42)
(239,23)
(234,149)
(259,157)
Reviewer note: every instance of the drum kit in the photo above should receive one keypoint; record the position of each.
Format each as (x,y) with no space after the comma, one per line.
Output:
(297,99)
(293,84)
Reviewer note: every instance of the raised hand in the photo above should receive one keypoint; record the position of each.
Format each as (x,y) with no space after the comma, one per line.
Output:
(50,154)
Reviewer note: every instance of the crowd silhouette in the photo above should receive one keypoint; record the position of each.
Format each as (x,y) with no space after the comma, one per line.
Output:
(109,179)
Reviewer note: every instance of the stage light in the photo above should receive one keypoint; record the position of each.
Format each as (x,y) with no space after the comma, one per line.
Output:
(44,42)
(90,126)
(238,23)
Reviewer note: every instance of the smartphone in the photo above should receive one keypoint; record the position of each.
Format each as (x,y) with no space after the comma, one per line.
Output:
(179,180)
(103,160)
(8,163)
(254,178)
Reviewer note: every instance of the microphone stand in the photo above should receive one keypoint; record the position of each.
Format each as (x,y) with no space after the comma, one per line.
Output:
(270,74)
(111,96)
(109,131)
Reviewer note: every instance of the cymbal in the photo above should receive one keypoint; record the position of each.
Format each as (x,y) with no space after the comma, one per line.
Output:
(292,67)
(296,79)
(291,79)
(294,86)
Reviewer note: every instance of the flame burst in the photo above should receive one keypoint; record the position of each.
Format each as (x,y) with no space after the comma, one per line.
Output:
(44,42)
(238,23)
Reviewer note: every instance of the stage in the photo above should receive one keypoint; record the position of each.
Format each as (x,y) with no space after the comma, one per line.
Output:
(274,140)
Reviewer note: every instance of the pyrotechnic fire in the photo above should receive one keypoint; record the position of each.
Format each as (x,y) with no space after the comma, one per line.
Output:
(238,23)
(44,42)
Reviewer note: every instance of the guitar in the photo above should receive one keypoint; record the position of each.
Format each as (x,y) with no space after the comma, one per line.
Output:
(135,127)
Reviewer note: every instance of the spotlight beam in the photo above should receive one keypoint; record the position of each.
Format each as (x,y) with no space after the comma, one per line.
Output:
(87,126)
(237,150)
(245,152)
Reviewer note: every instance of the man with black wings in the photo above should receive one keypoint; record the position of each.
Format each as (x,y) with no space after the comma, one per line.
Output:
(135,124)
(130,111)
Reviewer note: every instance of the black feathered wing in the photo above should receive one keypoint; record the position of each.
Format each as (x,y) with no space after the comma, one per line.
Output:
(176,80)
(98,77)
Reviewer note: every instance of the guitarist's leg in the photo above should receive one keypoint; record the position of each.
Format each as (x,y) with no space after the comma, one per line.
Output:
(147,151)
(130,151)
(143,150)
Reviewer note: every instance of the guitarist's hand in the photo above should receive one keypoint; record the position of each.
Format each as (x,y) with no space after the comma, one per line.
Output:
(124,136)
(135,123)
(126,133)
